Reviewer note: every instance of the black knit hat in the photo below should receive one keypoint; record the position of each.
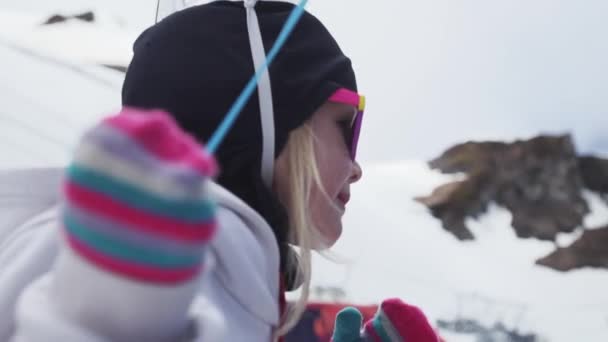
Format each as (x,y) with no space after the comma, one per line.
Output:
(194,64)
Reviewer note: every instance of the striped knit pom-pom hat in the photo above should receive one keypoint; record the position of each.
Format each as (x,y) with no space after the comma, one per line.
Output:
(136,202)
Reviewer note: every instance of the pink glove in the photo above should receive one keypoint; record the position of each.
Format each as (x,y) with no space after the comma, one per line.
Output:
(395,321)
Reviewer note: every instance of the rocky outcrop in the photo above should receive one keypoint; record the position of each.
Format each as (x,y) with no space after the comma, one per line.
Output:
(59,18)
(540,181)
(595,174)
(590,250)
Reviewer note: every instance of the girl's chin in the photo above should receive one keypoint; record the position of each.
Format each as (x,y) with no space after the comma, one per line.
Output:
(327,237)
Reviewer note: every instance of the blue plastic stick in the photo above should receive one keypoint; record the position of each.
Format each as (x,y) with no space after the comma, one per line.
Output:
(237,106)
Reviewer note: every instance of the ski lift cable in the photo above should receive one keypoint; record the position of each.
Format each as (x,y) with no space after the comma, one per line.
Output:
(520,305)
(63,145)
(65,120)
(62,63)
(22,149)
(441,287)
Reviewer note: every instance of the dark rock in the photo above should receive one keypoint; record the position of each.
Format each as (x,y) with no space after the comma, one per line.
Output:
(58,18)
(454,202)
(54,19)
(538,180)
(594,172)
(86,16)
(590,250)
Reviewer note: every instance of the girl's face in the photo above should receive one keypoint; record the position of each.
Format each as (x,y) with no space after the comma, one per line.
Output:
(331,126)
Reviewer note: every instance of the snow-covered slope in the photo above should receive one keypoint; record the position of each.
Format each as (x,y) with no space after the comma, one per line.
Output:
(49,91)
(394,247)
(103,41)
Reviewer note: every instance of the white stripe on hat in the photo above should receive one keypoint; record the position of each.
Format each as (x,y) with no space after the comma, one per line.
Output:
(264,93)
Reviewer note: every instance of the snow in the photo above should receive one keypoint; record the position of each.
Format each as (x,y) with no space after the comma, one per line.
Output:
(450,337)
(104,41)
(47,99)
(395,248)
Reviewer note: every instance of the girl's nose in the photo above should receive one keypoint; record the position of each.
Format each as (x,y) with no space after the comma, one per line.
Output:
(356,173)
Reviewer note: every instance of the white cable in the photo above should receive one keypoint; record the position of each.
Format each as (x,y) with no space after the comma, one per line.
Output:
(258,54)
(264,93)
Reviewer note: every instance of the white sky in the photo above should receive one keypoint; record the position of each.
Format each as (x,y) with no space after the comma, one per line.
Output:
(439,72)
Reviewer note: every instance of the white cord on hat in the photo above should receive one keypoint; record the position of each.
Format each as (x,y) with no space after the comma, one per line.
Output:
(264,93)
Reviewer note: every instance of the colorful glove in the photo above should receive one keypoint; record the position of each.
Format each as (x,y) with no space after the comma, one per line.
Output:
(348,326)
(395,321)
(135,198)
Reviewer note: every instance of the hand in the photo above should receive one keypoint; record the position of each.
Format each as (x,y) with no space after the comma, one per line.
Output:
(395,321)
(135,198)
(348,326)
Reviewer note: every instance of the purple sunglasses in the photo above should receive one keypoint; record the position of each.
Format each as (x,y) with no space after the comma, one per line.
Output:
(349,97)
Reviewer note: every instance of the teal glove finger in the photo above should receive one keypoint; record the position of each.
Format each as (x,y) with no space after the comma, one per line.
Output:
(348,326)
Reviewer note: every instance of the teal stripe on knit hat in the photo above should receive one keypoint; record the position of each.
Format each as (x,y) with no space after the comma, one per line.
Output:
(182,210)
(126,251)
(123,231)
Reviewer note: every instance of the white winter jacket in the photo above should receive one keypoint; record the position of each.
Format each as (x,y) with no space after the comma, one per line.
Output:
(48,293)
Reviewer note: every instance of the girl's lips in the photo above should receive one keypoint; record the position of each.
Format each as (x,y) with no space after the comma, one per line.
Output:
(343,198)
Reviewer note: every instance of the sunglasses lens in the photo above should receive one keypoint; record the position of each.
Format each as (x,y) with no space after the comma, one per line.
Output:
(351,131)
(356,130)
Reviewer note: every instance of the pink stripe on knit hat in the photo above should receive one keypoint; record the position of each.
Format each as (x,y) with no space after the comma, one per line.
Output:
(136,219)
(132,270)
(157,132)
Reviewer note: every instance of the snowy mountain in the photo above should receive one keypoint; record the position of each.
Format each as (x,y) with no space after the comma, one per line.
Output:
(53,87)
(393,247)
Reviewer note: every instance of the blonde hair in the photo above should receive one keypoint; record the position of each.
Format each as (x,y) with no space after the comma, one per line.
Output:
(303,175)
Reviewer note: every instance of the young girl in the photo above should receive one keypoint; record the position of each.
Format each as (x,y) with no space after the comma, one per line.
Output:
(273,188)
(145,246)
